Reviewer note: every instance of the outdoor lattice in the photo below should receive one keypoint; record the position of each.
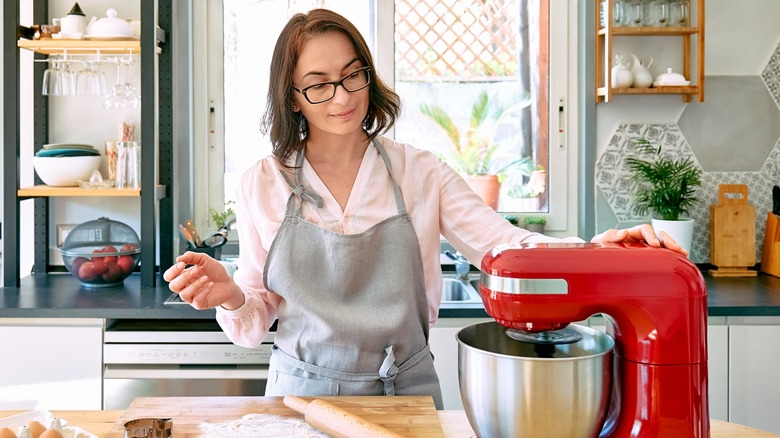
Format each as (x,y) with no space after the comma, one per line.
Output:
(456,39)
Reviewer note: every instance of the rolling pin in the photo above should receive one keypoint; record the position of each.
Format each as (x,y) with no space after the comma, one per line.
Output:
(335,421)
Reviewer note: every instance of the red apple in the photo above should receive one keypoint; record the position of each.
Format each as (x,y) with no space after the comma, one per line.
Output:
(126,263)
(113,272)
(99,265)
(127,247)
(87,271)
(97,251)
(109,249)
(76,264)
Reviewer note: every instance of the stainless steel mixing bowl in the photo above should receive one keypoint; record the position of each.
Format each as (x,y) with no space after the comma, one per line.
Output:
(518,389)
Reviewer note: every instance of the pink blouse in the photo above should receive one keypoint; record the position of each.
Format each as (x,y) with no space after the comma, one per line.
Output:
(437,198)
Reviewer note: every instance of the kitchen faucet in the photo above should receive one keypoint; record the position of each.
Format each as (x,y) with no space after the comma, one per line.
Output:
(462,265)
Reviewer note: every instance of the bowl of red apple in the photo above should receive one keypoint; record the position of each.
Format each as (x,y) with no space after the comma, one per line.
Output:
(101,253)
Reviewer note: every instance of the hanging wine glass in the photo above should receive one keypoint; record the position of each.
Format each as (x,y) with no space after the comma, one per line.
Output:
(58,80)
(123,94)
(91,81)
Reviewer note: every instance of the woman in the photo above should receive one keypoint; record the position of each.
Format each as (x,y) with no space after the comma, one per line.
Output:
(339,229)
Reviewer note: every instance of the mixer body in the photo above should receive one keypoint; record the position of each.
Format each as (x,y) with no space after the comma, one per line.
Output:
(656,306)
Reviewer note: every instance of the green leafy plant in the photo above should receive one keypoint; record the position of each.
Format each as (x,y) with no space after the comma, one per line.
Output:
(474,148)
(220,217)
(666,186)
(537,220)
(514,220)
(531,189)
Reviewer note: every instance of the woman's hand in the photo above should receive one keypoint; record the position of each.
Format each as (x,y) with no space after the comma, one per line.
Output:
(205,284)
(641,233)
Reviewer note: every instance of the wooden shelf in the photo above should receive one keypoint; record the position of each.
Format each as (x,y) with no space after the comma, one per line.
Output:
(690,52)
(650,31)
(602,91)
(44,191)
(81,47)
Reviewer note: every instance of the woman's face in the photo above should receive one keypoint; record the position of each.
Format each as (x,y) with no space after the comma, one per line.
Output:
(326,58)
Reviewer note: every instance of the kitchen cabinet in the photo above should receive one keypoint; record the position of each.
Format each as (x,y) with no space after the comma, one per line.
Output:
(691,37)
(718,368)
(51,363)
(444,346)
(754,386)
(156,209)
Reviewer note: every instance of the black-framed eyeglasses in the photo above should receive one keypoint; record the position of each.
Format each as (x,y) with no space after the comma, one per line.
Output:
(324,91)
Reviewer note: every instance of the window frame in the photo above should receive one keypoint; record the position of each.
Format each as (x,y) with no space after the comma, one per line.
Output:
(208,104)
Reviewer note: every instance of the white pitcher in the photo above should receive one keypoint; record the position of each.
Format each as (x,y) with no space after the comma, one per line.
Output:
(641,70)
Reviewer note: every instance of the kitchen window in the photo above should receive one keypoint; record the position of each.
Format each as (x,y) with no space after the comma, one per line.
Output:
(444,58)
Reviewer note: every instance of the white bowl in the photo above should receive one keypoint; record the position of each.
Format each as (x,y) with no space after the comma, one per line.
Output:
(66,171)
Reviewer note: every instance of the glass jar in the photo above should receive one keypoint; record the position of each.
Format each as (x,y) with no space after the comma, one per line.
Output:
(618,13)
(635,13)
(658,13)
(680,13)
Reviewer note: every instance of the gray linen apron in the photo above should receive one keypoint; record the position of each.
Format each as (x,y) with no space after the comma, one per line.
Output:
(354,319)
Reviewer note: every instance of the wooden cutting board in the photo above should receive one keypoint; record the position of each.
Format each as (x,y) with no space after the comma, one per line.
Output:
(405,415)
(733,233)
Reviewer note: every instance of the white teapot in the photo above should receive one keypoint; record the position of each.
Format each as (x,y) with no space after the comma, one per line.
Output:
(641,70)
(110,26)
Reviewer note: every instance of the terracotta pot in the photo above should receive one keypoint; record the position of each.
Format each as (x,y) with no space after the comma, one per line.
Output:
(487,187)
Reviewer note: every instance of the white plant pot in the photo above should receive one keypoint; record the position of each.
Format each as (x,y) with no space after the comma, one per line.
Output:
(519,204)
(681,231)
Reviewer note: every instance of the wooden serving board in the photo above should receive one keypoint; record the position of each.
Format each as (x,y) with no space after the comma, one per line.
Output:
(405,415)
(733,233)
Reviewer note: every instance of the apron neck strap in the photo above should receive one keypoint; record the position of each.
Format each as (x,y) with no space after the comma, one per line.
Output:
(399,199)
(299,193)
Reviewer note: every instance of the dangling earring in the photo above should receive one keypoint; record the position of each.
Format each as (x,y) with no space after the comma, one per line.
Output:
(303,126)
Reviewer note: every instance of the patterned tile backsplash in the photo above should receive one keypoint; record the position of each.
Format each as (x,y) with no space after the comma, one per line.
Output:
(615,193)
(613,186)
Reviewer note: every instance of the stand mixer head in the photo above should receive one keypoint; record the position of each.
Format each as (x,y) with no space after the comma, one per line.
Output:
(656,308)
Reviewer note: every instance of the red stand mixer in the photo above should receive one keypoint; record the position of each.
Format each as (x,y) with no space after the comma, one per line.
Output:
(655,304)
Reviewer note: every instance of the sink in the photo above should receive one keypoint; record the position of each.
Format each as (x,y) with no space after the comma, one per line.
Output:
(174,300)
(454,290)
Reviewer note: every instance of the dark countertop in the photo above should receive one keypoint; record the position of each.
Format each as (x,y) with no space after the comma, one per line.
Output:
(61,296)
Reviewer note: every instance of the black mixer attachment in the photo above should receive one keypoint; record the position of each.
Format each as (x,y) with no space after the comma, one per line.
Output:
(552,337)
(544,343)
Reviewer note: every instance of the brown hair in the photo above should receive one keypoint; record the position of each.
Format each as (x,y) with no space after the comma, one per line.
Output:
(288,129)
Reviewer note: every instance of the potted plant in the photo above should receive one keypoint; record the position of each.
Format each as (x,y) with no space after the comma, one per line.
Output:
(220,218)
(524,196)
(474,153)
(535,224)
(666,187)
(512,219)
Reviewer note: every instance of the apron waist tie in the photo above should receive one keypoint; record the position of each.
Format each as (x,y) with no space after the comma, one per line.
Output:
(387,372)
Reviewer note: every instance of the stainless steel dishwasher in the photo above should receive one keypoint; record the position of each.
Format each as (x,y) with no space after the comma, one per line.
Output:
(166,358)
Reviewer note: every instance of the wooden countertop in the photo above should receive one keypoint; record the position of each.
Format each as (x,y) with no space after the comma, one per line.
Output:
(454,424)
